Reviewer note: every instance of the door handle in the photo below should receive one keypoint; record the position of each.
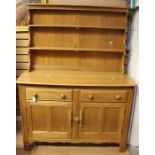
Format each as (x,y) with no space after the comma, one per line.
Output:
(76,119)
(70,118)
(81,118)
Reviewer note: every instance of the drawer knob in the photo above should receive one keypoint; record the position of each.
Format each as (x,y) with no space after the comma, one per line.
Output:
(118,97)
(90,97)
(34,98)
(62,96)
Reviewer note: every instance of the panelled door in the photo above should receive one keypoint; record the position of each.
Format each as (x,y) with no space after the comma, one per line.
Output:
(49,119)
(101,121)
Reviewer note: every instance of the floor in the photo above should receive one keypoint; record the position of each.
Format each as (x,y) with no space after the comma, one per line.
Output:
(133,150)
(64,150)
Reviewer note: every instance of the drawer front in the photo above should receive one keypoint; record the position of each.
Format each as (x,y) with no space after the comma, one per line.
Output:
(103,95)
(34,93)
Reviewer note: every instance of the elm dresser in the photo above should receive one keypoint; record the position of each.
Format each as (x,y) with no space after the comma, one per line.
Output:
(76,89)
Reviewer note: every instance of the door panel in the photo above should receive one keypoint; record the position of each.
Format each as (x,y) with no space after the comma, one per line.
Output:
(49,119)
(89,124)
(59,114)
(111,119)
(40,118)
(101,121)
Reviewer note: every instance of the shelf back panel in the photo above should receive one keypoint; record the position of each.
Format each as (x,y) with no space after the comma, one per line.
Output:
(77,38)
(92,61)
(74,17)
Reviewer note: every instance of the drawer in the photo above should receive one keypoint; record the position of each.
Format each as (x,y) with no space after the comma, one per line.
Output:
(38,93)
(103,95)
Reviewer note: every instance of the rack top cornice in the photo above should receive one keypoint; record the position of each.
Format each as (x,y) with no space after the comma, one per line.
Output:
(113,7)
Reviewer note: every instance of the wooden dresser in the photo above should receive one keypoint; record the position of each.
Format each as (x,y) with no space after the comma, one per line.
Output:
(76,89)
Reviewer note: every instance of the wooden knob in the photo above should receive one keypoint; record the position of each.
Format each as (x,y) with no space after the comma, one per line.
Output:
(110,42)
(90,97)
(118,97)
(62,96)
(76,119)
(34,97)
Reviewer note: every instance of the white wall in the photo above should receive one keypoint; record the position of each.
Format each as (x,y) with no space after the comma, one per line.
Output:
(133,72)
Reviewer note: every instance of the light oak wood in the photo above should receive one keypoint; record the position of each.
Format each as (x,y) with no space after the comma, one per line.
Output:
(76,89)
(123,141)
(77,141)
(21,55)
(22,58)
(78,27)
(49,119)
(105,125)
(82,60)
(82,38)
(103,96)
(90,3)
(44,1)
(19,72)
(23,110)
(101,121)
(75,114)
(23,35)
(75,78)
(118,3)
(21,65)
(21,28)
(78,19)
(77,8)
(23,42)
(63,49)
(22,50)
(49,94)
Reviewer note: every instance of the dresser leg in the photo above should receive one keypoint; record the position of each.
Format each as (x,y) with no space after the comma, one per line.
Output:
(122,147)
(26,146)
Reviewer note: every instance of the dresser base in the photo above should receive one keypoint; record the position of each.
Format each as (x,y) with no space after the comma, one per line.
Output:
(28,146)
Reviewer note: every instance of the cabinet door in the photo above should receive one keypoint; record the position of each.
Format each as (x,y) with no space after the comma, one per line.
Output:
(49,119)
(101,121)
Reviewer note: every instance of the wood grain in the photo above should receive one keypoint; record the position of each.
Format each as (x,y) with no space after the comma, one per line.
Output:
(23,110)
(78,18)
(22,58)
(20,72)
(93,3)
(22,50)
(49,94)
(21,55)
(82,38)
(75,89)
(22,65)
(103,95)
(105,123)
(123,142)
(22,42)
(23,35)
(49,119)
(75,78)
(86,61)
(90,2)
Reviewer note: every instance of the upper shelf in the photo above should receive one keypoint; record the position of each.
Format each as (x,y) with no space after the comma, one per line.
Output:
(75,49)
(81,3)
(78,27)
